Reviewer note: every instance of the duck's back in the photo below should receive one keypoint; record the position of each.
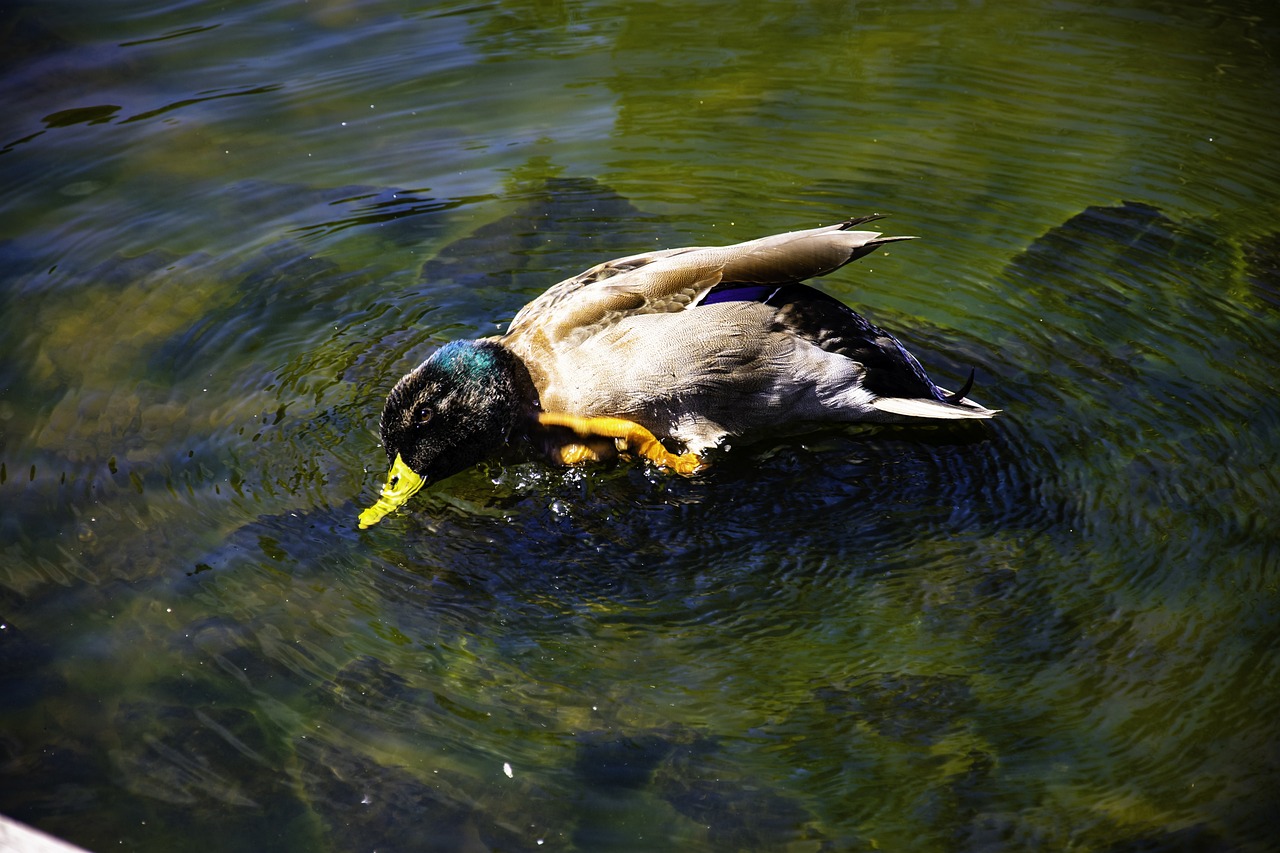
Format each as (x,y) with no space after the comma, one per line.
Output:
(705,342)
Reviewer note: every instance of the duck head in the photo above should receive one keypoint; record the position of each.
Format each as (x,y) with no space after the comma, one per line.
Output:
(447,414)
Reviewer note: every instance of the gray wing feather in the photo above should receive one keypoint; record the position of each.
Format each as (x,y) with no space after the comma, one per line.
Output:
(675,279)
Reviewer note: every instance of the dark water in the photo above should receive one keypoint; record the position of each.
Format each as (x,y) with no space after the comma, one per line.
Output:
(227,228)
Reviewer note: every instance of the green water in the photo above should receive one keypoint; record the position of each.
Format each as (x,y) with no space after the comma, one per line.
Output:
(228,228)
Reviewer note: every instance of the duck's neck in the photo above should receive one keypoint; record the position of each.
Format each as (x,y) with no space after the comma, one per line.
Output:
(500,370)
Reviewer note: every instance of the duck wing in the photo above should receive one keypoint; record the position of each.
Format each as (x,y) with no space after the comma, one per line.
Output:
(676,279)
(898,382)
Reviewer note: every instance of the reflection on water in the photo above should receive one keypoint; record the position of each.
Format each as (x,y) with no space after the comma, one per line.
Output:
(228,230)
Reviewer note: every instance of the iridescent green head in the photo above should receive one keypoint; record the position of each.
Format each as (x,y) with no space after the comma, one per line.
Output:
(447,414)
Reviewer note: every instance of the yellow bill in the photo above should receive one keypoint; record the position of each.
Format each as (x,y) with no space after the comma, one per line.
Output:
(402,483)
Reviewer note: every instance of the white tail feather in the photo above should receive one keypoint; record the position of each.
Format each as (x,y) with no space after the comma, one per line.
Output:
(920,408)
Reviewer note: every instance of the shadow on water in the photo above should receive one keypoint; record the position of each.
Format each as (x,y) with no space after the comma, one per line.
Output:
(1148,400)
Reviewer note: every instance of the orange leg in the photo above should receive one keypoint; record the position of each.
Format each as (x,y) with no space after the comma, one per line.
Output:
(576,454)
(629,435)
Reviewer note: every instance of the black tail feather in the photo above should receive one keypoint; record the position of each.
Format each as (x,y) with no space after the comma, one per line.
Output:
(859,220)
(954,399)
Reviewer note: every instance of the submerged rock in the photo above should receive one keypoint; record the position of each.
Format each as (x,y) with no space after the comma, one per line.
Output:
(1262,259)
(906,707)
(610,760)
(23,668)
(60,786)
(365,805)
(687,770)
(565,226)
(739,814)
(560,228)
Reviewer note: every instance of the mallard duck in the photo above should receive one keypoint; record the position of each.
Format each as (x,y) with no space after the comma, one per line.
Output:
(685,347)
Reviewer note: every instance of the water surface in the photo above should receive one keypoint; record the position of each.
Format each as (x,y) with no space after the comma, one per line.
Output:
(228,228)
